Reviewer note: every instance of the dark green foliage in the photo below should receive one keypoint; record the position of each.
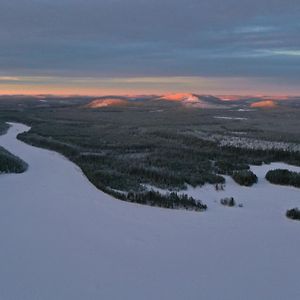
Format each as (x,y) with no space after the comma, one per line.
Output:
(227,167)
(284,177)
(121,165)
(50,143)
(244,177)
(230,202)
(172,200)
(10,163)
(293,214)
(3,127)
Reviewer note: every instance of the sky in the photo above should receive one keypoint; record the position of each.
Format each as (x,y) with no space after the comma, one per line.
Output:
(96,47)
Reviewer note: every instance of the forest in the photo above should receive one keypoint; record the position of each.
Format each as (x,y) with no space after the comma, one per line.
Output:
(124,149)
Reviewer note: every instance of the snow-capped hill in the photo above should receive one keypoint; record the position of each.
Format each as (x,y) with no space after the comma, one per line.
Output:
(264,104)
(105,102)
(180,97)
(192,100)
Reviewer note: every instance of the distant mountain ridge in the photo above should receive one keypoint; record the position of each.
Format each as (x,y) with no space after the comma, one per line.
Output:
(191,100)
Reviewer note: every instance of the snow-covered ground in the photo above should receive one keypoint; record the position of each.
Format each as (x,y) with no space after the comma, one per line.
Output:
(246,142)
(63,239)
(261,198)
(230,118)
(250,143)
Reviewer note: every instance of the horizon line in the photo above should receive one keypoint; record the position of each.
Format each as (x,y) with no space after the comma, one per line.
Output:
(146,94)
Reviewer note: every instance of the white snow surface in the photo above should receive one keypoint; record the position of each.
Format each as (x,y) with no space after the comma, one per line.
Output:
(61,238)
(230,118)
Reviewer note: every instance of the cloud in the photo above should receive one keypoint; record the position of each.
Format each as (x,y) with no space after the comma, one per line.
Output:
(147,85)
(284,52)
(8,78)
(150,38)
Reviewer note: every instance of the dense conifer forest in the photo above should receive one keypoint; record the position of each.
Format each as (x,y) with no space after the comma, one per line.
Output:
(284,177)
(244,177)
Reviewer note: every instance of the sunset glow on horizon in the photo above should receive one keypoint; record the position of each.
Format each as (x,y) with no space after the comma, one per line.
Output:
(147,47)
(226,88)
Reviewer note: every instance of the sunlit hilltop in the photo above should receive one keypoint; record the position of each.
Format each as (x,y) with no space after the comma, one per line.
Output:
(98,103)
(180,97)
(265,104)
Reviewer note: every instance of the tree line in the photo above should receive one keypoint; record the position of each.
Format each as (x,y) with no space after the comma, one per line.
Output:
(284,177)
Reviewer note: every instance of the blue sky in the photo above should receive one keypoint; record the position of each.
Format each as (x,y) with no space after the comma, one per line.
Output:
(99,46)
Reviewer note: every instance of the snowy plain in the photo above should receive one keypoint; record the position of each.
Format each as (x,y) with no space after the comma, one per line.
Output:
(63,239)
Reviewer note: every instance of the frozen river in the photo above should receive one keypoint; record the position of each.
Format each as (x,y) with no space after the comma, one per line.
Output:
(63,239)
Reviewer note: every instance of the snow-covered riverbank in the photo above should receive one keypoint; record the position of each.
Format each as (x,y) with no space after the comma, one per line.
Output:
(61,238)
(261,197)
